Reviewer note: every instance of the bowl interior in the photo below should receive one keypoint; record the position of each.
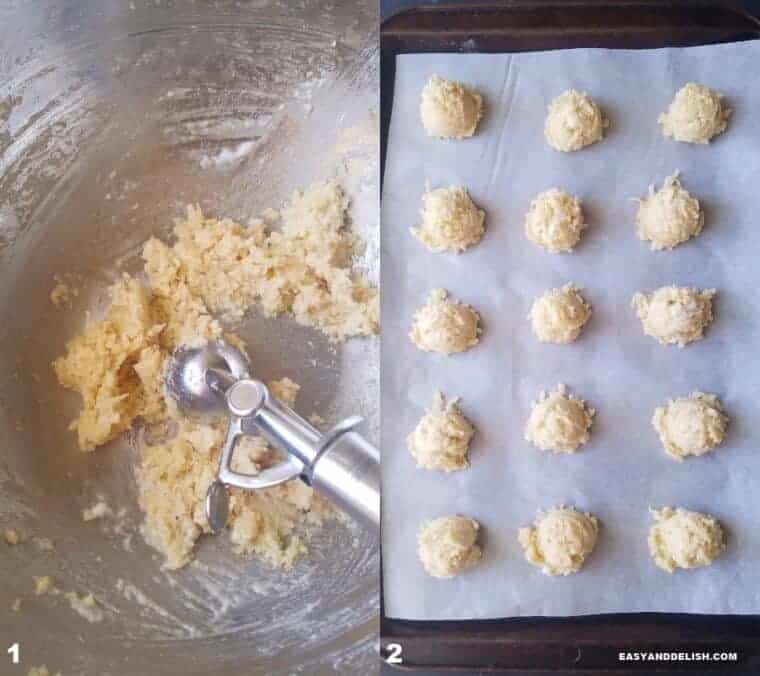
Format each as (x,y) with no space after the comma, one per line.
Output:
(112,120)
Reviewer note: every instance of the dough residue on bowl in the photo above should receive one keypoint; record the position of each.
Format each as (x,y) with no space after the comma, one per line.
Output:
(214,271)
(41,671)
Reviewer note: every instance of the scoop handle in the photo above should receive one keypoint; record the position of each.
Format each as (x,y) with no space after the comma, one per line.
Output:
(347,471)
(341,464)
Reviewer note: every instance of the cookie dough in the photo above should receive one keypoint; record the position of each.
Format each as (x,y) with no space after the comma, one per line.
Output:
(681,538)
(675,315)
(560,541)
(692,425)
(215,268)
(447,546)
(574,122)
(444,325)
(450,220)
(442,437)
(85,606)
(41,671)
(669,216)
(559,422)
(173,478)
(44,584)
(555,221)
(449,109)
(559,315)
(695,115)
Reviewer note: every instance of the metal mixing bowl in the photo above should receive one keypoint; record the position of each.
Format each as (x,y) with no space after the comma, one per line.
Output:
(114,115)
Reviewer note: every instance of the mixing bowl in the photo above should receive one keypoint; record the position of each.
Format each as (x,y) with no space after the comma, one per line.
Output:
(113,117)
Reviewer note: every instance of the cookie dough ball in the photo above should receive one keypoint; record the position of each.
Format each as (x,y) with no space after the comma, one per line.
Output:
(691,425)
(559,315)
(450,220)
(449,109)
(669,216)
(444,325)
(681,538)
(675,315)
(442,437)
(559,422)
(695,115)
(560,540)
(448,546)
(555,221)
(574,122)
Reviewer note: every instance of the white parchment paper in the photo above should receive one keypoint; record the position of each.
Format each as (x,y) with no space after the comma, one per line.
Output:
(621,372)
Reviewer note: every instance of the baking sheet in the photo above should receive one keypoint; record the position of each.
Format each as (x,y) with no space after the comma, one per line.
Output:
(619,371)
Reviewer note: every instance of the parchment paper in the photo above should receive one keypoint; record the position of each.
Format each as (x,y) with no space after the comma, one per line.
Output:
(621,372)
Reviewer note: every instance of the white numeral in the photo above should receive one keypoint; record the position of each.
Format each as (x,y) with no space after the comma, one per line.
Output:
(394,653)
(15,653)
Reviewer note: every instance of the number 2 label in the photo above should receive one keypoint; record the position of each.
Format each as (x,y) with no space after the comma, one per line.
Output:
(394,653)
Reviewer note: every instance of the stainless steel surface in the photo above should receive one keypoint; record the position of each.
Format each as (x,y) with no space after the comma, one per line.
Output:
(348,471)
(114,116)
(341,465)
(217,506)
(197,377)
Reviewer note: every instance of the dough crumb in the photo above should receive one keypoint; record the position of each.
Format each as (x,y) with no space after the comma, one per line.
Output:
(85,606)
(560,541)
(445,326)
(574,122)
(559,422)
(555,221)
(669,216)
(695,115)
(41,671)
(44,584)
(450,220)
(692,425)
(684,539)
(675,315)
(62,294)
(559,315)
(442,437)
(447,546)
(11,537)
(97,511)
(449,109)
(44,544)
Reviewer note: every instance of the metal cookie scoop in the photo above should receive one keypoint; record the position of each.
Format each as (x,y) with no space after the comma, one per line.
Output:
(341,465)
